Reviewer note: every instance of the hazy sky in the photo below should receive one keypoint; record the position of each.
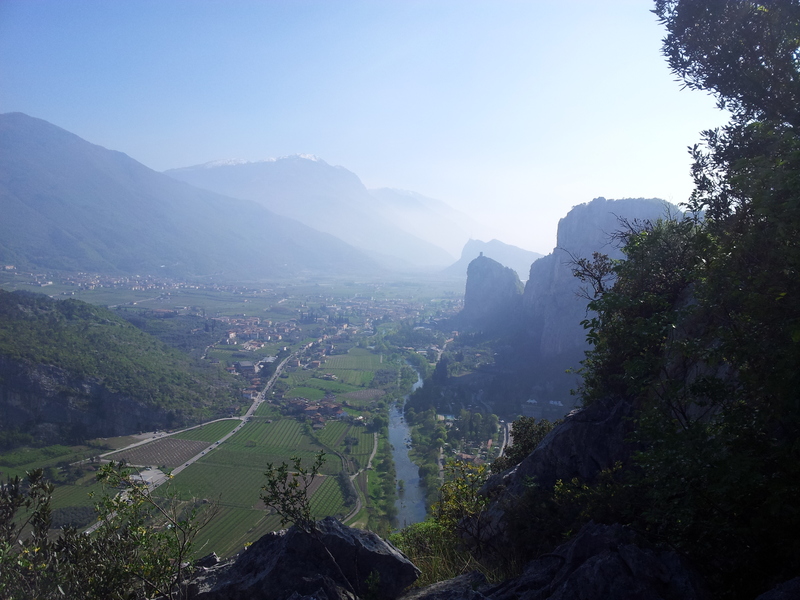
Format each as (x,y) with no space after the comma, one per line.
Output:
(512,112)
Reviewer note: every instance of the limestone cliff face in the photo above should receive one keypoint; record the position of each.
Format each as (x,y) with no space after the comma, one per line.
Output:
(51,404)
(492,297)
(552,307)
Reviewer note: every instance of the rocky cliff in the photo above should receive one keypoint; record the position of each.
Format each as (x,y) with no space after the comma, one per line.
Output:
(511,256)
(493,295)
(552,304)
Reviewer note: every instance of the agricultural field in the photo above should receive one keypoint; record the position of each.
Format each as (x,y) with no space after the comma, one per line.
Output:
(349,377)
(168,451)
(333,433)
(364,395)
(267,411)
(210,432)
(16,463)
(233,528)
(358,359)
(309,393)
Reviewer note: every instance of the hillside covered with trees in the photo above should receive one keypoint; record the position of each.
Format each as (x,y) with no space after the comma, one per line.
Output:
(92,371)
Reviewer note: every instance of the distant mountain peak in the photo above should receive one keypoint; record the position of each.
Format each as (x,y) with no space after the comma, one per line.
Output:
(224,162)
(232,162)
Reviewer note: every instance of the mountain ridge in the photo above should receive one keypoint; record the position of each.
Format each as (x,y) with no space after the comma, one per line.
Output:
(69,204)
(329,198)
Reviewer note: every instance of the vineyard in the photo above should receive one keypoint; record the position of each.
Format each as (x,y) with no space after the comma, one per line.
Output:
(232,528)
(210,432)
(166,451)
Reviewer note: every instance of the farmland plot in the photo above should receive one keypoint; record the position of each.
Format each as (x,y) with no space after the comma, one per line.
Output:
(210,432)
(358,359)
(309,393)
(232,528)
(333,433)
(259,443)
(327,500)
(351,377)
(232,488)
(165,451)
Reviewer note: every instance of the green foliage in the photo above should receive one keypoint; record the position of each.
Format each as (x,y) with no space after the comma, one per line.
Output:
(461,507)
(449,543)
(287,492)
(701,331)
(527,433)
(140,548)
(91,343)
(437,553)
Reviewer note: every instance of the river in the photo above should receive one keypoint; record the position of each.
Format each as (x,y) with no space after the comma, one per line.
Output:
(411,501)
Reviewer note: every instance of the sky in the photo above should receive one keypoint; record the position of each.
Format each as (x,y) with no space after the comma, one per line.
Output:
(510,111)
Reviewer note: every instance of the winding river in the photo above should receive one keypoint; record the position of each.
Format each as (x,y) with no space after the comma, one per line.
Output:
(411,501)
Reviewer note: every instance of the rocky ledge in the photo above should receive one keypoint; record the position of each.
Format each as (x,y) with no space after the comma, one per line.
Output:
(334,563)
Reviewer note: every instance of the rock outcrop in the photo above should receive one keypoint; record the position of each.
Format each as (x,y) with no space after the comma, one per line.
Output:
(493,295)
(294,564)
(587,442)
(552,304)
(511,256)
(600,562)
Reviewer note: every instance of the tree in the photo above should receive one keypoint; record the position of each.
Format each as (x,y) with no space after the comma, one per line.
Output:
(287,491)
(461,507)
(141,547)
(701,329)
(527,433)
(742,51)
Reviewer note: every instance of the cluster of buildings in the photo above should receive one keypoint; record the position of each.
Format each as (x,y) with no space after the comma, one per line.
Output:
(316,412)
(254,332)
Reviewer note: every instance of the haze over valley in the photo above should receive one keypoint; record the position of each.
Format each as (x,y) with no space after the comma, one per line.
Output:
(399,300)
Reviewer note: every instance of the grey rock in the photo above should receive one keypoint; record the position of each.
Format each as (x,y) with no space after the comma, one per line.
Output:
(603,561)
(552,304)
(493,296)
(209,560)
(463,587)
(588,441)
(789,590)
(295,564)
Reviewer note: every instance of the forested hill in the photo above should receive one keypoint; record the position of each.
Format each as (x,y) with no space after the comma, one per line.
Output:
(71,369)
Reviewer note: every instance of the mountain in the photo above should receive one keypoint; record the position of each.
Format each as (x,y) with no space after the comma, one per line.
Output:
(511,256)
(328,198)
(431,220)
(69,204)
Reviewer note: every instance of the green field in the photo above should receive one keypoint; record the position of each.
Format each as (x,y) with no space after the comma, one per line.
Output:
(358,359)
(233,473)
(309,393)
(233,528)
(210,432)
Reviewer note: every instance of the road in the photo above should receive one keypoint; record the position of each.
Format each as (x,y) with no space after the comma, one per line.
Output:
(357,507)
(155,478)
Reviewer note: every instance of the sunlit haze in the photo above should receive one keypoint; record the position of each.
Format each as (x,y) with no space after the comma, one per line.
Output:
(512,112)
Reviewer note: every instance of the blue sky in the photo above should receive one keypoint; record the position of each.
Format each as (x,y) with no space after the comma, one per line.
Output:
(510,111)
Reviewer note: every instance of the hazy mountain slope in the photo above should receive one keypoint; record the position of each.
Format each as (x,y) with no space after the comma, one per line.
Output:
(507,255)
(69,204)
(330,199)
(432,220)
